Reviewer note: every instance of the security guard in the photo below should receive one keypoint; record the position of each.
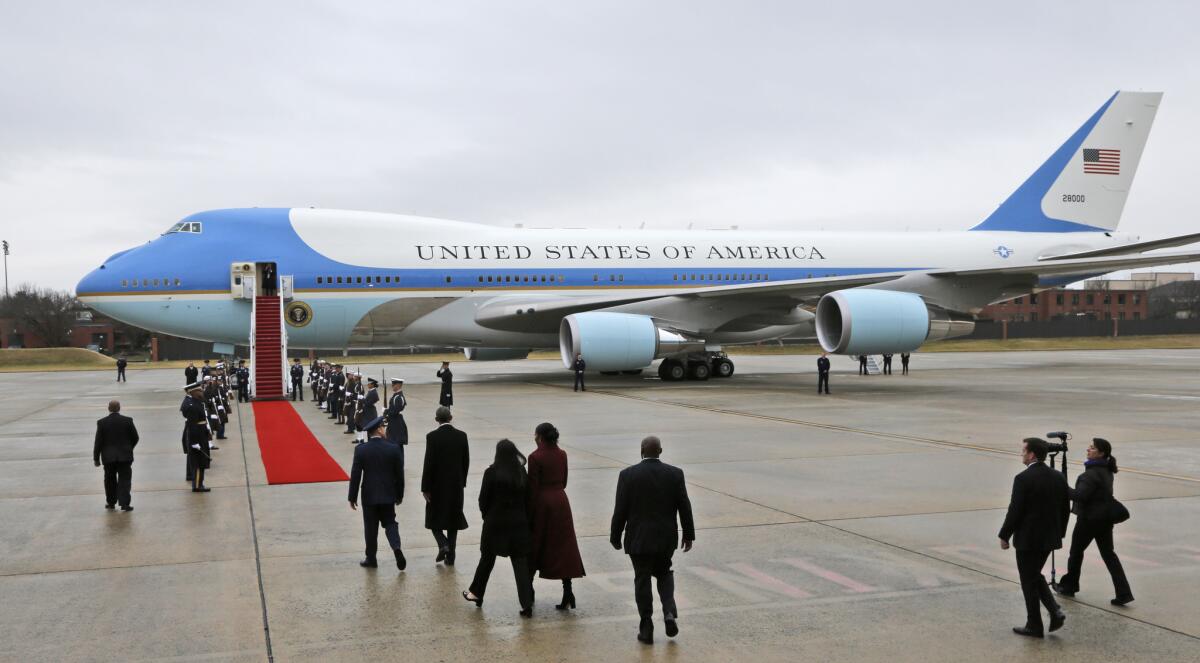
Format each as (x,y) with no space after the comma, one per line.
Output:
(823,372)
(397,429)
(196,436)
(579,366)
(297,373)
(243,382)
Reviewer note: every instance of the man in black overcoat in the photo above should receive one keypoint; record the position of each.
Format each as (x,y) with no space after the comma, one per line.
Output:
(191,373)
(116,437)
(379,469)
(650,495)
(823,372)
(446,398)
(1036,521)
(443,479)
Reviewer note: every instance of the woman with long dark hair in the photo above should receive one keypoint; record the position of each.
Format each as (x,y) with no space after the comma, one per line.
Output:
(555,553)
(505,525)
(1092,497)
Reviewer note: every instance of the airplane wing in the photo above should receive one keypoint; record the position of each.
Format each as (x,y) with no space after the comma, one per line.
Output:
(543,314)
(1125,249)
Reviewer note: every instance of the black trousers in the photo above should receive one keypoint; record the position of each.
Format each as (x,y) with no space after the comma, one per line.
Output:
(862,367)
(375,515)
(521,573)
(579,381)
(1082,536)
(243,393)
(658,567)
(822,381)
(1034,587)
(121,375)
(297,388)
(904,368)
(887,366)
(446,540)
(117,480)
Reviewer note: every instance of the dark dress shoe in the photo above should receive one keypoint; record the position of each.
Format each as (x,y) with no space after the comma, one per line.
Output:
(202,489)
(672,628)
(401,563)
(1027,632)
(110,506)
(527,613)
(1057,620)
(1063,590)
(646,632)
(450,558)
(478,600)
(127,508)
(1122,600)
(369,564)
(440,556)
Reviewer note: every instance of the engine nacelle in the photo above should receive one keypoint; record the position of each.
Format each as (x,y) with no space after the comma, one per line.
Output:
(618,341)
(868,321)
(495,354)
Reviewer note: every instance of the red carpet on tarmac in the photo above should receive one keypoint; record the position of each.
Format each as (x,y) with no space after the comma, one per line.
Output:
(290,452)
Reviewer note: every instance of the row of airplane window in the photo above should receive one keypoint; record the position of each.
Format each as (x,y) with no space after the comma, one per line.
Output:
(538,278)
(149,283)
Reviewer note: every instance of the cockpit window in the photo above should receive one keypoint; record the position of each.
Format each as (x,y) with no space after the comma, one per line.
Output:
(185,227)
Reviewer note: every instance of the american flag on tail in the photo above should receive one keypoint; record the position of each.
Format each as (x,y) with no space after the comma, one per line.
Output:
(1102,161)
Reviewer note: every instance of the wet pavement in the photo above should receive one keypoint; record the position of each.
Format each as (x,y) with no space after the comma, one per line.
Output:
(859,526)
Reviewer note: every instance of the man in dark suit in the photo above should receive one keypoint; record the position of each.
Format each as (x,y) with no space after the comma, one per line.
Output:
(121,364)
(823,372)
(379,469)
(579,366)
(191,373)
(1036,521)
(649,496)
(887,363)
(447,459)
(116,437)
(862,364)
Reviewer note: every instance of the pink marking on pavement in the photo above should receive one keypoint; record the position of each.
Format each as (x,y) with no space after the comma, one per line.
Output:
(832,576)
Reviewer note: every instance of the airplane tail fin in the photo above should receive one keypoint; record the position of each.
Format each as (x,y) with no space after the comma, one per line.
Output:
(1082,187)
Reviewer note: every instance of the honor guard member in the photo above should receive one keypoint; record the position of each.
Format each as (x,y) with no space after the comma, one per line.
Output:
(350,407)
(331,400)
(243,382)
(339,398)
(397,429)
(297,373)
(368,409)
(447,397)
(191,373)
(322,382)
(823,372)
(196,436)
(579,366)
(205,369)
(379,469)
(312,378)
(209,395)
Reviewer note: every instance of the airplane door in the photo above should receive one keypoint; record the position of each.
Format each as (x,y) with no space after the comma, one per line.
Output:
(248,286)
(285,286)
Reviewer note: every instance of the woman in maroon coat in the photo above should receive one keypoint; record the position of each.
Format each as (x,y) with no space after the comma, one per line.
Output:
(555,551)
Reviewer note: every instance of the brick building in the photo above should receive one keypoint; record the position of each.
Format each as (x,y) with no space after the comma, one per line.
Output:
(1057,303)
(89,330)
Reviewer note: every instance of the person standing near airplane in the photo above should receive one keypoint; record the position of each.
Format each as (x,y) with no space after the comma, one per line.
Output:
(862,364)
(579,367)
(116,436)
(297,375)
(904,363)
(367,409)
(243,381)
(823,372)
(196,436)
(121,364)
(397,428)
(447,397)
(887,363)
(191,373)
(443,479)
(379,469)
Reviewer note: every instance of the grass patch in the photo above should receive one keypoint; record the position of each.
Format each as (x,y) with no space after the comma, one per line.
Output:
(1161,342)
(54,359)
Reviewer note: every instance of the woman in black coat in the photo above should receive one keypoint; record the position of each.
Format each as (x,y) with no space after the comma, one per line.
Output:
(1092,499)
(505,525)
(447,396)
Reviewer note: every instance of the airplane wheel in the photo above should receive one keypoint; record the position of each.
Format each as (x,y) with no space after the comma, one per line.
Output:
(722,368)
(637,371)
(699,371)
(672,371)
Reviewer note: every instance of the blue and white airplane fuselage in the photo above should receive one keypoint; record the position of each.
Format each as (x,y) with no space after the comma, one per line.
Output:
(372,280)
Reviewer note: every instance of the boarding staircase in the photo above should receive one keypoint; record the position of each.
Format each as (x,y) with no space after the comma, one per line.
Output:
(874,365)
(268,349)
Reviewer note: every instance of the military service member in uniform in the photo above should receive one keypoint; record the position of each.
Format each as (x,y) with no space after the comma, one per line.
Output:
(243,382)
(397,428)
(297,373)
(196,436)
(823,372)
(379,469)
(579,366)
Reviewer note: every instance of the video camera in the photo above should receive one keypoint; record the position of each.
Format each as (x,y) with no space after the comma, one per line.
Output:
(1061,445)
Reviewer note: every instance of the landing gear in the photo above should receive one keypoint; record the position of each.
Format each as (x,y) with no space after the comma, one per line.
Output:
(700,366)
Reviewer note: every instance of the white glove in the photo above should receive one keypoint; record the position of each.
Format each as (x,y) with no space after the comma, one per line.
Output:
(361,398)
(213,416)
(196,447)
(221,408)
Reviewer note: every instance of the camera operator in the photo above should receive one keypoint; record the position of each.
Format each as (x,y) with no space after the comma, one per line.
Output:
(1092,501)
(1037,519)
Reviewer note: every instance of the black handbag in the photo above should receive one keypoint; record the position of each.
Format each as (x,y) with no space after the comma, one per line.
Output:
(1117,513)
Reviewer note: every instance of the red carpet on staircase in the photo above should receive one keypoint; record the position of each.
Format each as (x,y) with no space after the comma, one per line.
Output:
(290,452)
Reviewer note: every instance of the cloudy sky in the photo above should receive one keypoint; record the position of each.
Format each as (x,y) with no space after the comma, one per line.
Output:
(119,118)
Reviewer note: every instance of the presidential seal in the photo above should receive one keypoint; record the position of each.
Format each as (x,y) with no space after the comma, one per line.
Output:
(298,314)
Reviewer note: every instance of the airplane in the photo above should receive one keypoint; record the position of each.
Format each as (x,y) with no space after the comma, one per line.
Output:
(624,298)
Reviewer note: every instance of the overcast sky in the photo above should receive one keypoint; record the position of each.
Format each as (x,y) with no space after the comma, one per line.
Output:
(119,118)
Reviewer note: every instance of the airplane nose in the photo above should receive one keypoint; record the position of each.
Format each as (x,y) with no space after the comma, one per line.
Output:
(89,284)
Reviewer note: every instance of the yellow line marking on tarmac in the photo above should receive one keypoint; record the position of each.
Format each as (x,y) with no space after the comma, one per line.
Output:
(849,429)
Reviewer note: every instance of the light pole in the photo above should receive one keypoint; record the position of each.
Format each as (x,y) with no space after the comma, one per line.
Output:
(6,269)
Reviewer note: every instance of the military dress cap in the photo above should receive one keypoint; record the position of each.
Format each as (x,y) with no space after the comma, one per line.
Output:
(371,425)
(397,381)
(195,385)
(372,381)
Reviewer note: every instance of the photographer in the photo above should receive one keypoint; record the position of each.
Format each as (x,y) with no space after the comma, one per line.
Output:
(1092,506)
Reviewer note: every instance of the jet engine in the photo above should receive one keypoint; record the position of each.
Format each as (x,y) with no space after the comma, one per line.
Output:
(495,354)
(868,321)
(619,341)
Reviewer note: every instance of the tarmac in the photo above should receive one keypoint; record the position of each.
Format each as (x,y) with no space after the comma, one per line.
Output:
(860,526)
